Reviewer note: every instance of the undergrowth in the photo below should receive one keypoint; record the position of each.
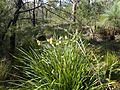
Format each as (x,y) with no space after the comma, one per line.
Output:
(65,64)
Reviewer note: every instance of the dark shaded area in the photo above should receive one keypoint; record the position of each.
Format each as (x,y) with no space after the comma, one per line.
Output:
(115,75)
(12,43)
(112,37)
(107,45)
(41,37)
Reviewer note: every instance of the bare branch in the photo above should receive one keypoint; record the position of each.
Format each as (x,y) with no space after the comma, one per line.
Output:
(29,9)
(55,14)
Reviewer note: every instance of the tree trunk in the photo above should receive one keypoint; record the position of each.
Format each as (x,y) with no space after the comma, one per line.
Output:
(33,14)
(60,3)
(12,22)
(12,43)
(42,8)
(74,7)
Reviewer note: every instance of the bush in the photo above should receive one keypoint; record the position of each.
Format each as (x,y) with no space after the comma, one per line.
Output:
(65,65)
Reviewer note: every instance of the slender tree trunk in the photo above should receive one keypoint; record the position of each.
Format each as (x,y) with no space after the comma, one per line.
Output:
(42,8)
(12,22)
(12,43)
(60,3)
(74,7)
(33,14)
(46,13)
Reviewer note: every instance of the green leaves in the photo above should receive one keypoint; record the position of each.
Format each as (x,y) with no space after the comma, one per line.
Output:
(111,17)
(62,67)
(68,65)
(4,69)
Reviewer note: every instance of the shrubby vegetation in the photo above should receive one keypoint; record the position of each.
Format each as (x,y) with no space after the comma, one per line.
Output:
(65,64)
(59,45)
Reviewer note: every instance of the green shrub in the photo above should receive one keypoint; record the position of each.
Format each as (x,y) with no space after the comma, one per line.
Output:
(66,64)
(4,69)
(111,17)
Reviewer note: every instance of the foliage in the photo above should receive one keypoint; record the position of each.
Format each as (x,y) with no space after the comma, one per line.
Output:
(4,19)
(64,61)
(58,67)
(89,12)
(4,69)
(111,17)
(65,64)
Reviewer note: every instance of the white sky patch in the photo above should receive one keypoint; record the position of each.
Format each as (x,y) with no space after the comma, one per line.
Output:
(37,0)
(30,0)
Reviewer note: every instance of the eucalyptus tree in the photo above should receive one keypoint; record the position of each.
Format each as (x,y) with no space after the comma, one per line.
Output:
(33,21)
(4,17)
(12,23)
(74,8)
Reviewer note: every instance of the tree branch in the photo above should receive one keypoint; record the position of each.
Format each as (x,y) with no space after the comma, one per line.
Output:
(29,9)
(55,13)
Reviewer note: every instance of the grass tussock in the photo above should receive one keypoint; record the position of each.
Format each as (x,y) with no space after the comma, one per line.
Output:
(66,64)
